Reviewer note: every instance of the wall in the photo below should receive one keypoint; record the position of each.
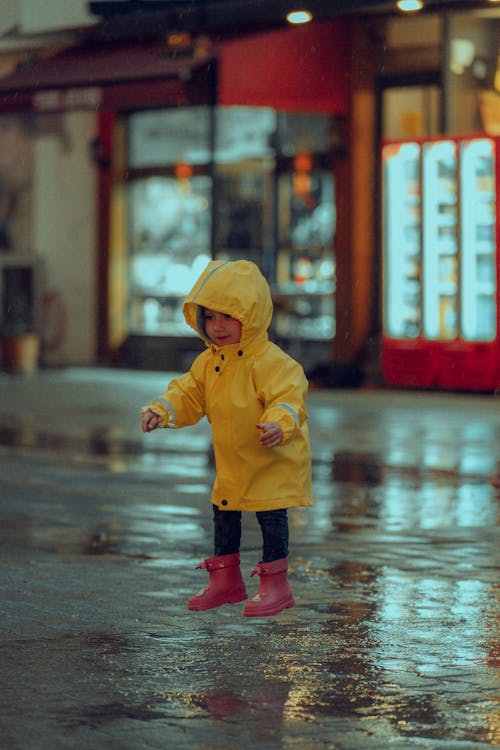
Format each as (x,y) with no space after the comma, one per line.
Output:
(295,69)
(17,139)
(64,227)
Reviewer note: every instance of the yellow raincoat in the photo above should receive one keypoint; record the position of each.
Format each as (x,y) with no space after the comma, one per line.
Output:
(238,385)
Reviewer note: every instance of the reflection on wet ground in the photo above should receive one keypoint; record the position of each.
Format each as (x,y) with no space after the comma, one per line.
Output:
(395,637)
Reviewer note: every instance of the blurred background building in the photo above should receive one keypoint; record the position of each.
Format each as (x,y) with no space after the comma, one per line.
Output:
(352,156)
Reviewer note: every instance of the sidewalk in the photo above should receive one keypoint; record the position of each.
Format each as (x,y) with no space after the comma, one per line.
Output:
(394,641)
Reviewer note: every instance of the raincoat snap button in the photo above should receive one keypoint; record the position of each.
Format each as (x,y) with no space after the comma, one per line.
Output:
(223,502)
(217,369)
(240,353)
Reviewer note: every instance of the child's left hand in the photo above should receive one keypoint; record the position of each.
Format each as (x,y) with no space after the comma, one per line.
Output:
(271,434)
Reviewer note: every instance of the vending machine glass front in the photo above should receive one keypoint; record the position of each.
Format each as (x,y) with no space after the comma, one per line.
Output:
(440,240)
(402,239)
(478,210)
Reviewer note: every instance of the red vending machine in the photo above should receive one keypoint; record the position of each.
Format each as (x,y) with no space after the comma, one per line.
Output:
(440,236)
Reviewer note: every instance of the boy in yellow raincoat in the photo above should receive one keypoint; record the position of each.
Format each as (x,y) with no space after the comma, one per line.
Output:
(253,395)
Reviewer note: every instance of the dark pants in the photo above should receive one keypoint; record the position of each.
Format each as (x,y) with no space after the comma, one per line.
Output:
(273,524)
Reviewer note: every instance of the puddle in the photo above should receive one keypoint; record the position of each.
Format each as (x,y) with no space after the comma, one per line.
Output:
(101,443)
(393,642)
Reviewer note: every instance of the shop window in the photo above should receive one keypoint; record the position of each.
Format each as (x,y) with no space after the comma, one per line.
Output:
(304,133)
(411,111)
(305,269)
(169,236)
(305,279)
(244,133)
(244,174)
(169,136)
(243,217)
(230,183)
(169,211)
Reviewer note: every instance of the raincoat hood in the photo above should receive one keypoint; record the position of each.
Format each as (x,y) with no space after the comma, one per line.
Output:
(235,288)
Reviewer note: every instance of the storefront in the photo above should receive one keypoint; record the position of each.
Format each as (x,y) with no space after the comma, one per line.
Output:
(234,149)
(251,176)
(227,182)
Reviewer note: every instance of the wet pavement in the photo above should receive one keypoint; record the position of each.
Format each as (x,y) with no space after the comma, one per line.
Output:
(394,642)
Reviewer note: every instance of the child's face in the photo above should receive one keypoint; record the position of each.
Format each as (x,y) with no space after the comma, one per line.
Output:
(222,328)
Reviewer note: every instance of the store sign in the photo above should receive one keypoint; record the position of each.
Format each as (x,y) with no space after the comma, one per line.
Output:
(56,100)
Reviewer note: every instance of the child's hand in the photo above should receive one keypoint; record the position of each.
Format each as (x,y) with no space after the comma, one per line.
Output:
(271,434)
(149,421)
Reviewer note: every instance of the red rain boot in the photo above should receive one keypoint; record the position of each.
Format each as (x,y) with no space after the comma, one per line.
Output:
(274,592)
(225,584)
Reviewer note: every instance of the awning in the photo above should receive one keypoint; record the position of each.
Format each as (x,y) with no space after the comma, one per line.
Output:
(117,77)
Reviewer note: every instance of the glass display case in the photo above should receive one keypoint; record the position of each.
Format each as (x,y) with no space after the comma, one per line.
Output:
(402,239)
(440,240)
(440,250)
(478,242)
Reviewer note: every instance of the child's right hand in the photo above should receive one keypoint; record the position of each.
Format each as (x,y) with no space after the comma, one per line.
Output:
(149,421)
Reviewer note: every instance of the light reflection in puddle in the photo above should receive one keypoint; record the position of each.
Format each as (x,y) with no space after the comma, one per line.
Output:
(193,489)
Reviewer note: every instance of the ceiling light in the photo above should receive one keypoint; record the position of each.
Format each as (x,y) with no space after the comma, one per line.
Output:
(410,5)
(299,16)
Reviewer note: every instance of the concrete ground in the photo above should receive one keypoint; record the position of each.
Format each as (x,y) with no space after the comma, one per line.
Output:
(394,640)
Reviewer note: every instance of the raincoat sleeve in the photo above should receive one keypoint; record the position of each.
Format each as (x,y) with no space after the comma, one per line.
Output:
(282,388)
(183,403)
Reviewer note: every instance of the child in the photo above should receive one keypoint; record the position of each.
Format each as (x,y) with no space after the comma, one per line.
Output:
(253,396)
